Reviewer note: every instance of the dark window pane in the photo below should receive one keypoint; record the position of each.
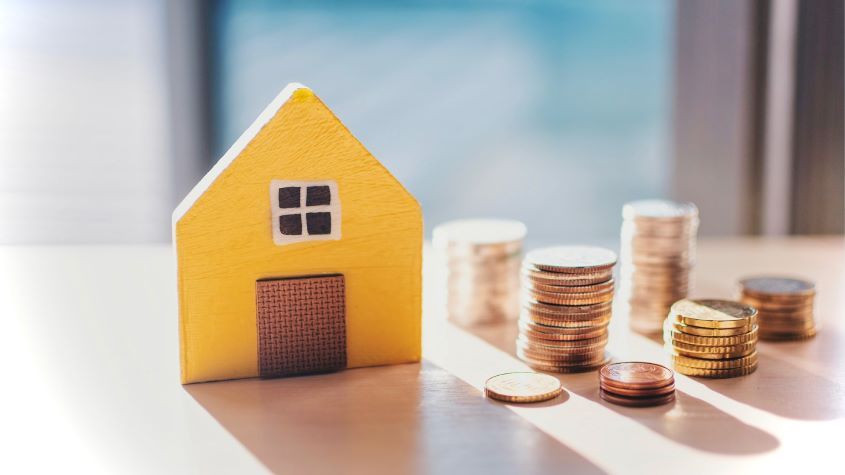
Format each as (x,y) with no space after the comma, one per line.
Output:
(289,197)
(319,223)
(318,195)
(290,224)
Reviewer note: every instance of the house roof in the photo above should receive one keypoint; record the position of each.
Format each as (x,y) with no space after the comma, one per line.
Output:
(269,112)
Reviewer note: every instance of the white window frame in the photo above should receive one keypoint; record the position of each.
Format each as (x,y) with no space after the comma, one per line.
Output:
(333,208)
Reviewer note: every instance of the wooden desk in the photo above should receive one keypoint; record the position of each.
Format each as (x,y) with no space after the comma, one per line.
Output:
(88,351)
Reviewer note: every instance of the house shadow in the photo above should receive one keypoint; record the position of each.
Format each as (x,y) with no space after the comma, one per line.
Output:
(413,418)
(688,420)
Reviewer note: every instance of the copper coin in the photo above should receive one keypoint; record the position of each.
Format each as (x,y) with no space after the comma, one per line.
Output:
(776,336)
(646,392)
(775,287)
(572,259)
(558,367)
(542,332)
(564,322)
(606,286)
(558,278)
(594,355)
(778,306)
(562,345)
(570,299)
(636,374)
(577,311)
(637,401)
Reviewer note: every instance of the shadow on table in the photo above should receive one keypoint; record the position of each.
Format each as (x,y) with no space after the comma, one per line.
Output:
(782,388)
(689,420)
(393,419)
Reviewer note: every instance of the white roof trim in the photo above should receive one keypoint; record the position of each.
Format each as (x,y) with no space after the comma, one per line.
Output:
(235,150)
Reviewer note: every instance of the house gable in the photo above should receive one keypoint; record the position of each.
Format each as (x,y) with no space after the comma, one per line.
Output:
(224,237)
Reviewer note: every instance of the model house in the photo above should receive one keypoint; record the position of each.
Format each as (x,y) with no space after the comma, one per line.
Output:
(297,253)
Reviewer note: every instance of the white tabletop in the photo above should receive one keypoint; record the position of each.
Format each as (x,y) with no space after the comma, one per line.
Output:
(88,350)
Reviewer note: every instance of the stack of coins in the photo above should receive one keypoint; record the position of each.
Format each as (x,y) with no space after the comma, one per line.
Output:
(657,254)
(482,261)
(712,338)
(567,299)
(637,384)
(784,306)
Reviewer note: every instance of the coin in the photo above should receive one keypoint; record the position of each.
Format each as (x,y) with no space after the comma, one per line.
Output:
(575,311)
(572,259)
(712,313)
(671,334)
(636,401)
(553,352)
(693,362)
(716,373)
(636,374)
(783,336)
(563,367)
(543,332)
(713,352)
(659,209)
(774,287)
(606,286)
(700,331)
(644,392)
(569,299)
(522,387)
(566,322)
(559,278)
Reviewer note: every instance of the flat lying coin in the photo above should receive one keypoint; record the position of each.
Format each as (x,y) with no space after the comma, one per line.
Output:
(712,313)
(522,387)
(637,401)
(636,374)
(571,259)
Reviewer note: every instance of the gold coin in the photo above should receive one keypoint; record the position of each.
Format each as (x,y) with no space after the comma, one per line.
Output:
(716,373)
(712,313)
(712,364)
(670,333)
(700,331)
(522,387)
(572,259)
(714,352)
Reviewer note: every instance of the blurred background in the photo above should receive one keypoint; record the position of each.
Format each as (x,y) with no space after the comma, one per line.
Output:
(552,112)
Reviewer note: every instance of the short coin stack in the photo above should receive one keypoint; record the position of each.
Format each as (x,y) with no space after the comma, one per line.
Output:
(522,387)
(784,306)
(712,338)
(567,300)
(657,254)
(636,384)
(483,258)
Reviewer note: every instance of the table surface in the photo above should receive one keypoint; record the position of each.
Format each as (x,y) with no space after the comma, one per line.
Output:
(88,349)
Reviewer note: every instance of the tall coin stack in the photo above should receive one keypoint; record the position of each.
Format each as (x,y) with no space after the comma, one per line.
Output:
(482,260)
(567,299)
(712,338)
(784,306)
(657,253)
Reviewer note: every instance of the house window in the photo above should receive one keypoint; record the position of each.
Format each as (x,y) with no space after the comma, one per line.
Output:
(304,211)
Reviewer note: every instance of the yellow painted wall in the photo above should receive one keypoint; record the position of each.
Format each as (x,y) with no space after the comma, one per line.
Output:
(224,244)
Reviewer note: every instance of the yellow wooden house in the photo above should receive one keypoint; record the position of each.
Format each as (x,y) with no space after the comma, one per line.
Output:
(297,253)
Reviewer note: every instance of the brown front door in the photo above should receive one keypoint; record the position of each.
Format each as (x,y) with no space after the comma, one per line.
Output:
(301,325)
